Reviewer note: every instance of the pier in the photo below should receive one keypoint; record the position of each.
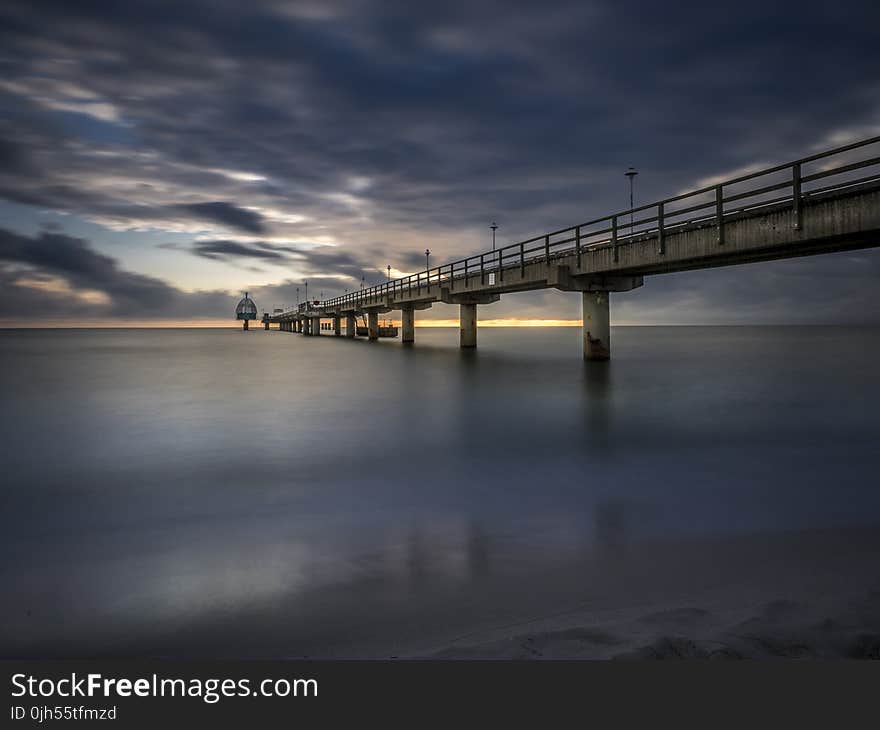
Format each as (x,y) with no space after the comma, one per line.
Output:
(826,202)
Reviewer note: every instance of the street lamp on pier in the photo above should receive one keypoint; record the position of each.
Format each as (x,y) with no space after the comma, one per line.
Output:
(494,228)
(427,259)
(631,173)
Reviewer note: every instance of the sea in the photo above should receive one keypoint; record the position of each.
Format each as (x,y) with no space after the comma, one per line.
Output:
(196,493)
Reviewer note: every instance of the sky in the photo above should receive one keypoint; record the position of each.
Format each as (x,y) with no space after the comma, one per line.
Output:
(159,158)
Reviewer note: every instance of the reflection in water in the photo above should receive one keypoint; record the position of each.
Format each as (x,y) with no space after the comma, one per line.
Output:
(416,559)
(360,497)
(477,551)
(610,527)
(597,403)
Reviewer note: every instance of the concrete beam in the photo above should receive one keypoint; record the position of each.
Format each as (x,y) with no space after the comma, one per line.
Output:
(561,278)
(597,325)
(448,297)
(468,323)
(411,305)
(373,324)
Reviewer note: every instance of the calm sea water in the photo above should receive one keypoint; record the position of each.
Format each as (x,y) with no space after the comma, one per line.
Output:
(219,493)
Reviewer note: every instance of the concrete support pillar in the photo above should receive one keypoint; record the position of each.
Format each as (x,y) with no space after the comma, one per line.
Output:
(337,325)
(373,325)
(266,326)
(316,326)
(597,326)
(350,325)
(408,325)
(468,319)
(244,325)
(307,326)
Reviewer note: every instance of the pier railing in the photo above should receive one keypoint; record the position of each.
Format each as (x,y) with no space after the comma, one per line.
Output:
(790,184)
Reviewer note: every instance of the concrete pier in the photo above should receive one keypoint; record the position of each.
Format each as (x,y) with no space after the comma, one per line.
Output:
(597,326)
(350,324)
(316,326)
(736,225)
(307,326)
(468,321)
(337,325)
(408,324)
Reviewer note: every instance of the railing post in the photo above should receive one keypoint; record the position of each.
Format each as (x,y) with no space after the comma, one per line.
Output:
(522,261)
(661,240)
(614,237)
(796,194)
(547,250)
(577,245)
(719,213)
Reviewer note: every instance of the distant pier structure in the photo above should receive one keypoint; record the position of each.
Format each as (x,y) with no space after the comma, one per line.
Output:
(246,310)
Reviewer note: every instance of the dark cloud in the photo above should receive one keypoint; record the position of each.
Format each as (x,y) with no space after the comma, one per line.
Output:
(413,124)
(231,249)
(227,214)
(51,257)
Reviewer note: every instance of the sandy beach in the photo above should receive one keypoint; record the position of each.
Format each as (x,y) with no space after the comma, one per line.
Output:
(802,595)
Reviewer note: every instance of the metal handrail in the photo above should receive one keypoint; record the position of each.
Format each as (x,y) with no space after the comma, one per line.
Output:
(624,228)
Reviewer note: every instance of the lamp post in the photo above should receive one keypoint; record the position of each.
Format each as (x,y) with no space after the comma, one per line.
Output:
(389,272)
(494,228)
(307,292)
(297,296)
(631,173)
(427,259)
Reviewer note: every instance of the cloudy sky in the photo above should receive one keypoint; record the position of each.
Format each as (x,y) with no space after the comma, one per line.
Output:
(156,158)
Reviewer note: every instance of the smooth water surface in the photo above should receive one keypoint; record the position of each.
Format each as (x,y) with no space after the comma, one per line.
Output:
(220,493)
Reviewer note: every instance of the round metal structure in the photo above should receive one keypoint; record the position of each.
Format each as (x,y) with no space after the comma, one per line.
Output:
(246,310)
